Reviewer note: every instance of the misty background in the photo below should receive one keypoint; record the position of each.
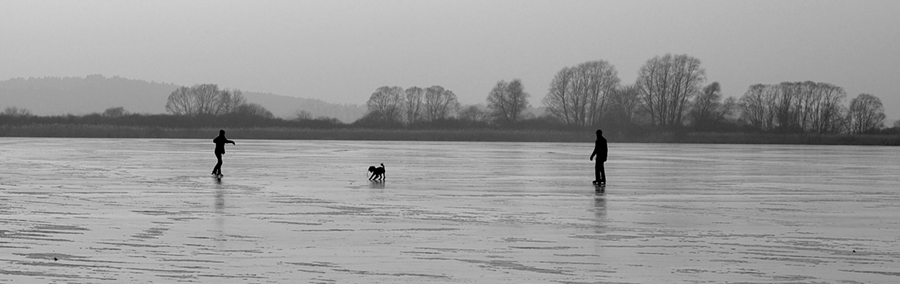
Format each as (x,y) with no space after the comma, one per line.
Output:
(340,52)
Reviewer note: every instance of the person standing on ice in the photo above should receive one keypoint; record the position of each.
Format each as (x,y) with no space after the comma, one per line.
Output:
(220,150)
(600,150)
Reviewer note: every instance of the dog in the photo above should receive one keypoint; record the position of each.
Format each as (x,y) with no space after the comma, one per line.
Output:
(377,173)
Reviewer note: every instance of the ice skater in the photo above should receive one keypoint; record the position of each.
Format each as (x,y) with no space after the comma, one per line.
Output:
(220,150)
(600,150)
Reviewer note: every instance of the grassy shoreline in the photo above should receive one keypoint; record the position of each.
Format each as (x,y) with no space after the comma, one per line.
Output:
(475,135)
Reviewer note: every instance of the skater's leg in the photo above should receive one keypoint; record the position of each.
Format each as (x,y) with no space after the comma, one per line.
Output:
(218,169)
(602,171)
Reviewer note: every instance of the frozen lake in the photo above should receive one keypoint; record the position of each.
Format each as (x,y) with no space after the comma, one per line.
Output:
(142,211)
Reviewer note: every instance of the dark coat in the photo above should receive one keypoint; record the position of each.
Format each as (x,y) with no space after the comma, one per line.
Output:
(600,149)
(220,144)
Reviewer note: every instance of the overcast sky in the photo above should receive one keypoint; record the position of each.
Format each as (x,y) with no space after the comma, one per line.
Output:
(341,51)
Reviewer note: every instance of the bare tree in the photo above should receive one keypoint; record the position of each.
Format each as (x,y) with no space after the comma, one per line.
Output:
(705,104)
(204,99)
(439,103)
(558,98)
(708,108)
(472,113)
(181,102)
(798,107)
(230,101)
(728,109)
(386,104)
(667,84)
(578,95)
(507,101)
(808,107)
(302,115)
(829,114)
(755,107)
(253,109)
(413,104)
(866,113)
(16,112)
(597,80)
(115,112)
(623,105)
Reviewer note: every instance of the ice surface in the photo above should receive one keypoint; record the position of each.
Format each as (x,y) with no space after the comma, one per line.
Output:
(142,211)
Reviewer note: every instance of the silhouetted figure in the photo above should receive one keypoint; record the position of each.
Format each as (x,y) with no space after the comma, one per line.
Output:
(220,150)
(377,173)
(600,150)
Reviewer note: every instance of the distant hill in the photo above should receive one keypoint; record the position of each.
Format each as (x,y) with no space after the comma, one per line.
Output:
(96,93)
(287,107)
(75,95)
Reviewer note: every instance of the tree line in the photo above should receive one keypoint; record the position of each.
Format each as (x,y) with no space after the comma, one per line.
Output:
(396,107)
(670,94)
(209,100)
(198,106)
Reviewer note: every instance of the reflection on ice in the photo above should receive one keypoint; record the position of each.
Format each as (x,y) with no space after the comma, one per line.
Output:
(600,205)
(301,212)
(376,184)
